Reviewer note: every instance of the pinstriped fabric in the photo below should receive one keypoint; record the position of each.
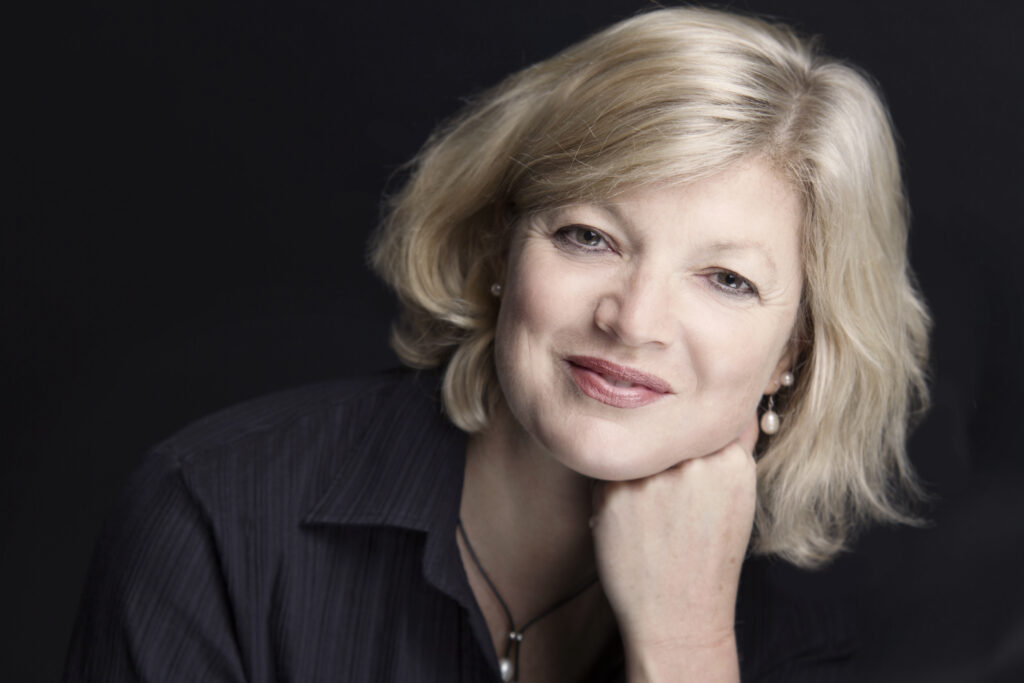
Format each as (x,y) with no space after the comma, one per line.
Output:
(310,536)
(304,537)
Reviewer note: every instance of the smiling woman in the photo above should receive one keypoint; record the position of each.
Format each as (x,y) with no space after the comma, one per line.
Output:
(619,262)
(681,300)
(686,215)
(688,99)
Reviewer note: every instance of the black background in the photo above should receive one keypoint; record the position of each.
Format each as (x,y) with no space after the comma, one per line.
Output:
(193,185)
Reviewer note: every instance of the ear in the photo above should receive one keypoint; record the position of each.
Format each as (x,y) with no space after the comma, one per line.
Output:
(785,364)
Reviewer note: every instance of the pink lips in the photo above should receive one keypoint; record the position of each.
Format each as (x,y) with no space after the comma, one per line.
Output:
(616,385)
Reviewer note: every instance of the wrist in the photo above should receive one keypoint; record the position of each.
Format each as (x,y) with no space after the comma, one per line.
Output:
(710,658)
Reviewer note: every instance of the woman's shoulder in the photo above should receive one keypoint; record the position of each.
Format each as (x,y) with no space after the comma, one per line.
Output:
(324,403)
(288,447)
(211,516)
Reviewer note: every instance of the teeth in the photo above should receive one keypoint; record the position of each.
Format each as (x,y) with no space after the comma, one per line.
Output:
(618,382)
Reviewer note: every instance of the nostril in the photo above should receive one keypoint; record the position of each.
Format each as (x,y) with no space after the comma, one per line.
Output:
(604,316)
(637,315)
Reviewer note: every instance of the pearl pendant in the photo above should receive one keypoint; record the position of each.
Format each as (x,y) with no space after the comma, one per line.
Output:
(505,667)
(770,422)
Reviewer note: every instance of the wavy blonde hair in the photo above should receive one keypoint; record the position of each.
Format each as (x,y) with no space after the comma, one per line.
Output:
(672,96)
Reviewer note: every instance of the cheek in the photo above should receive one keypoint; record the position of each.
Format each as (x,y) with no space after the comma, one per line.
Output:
(530,314)
(541,298)
(740,370)
(734,356)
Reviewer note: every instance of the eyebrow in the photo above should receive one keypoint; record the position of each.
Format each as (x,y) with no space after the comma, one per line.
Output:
(612,209)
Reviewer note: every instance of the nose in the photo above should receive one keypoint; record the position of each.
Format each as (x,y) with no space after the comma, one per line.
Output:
(638,310)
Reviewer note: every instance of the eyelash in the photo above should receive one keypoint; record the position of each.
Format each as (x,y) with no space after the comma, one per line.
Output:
(730,290)
(568,237)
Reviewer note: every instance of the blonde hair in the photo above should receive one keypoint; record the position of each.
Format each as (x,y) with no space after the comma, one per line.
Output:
(672,96)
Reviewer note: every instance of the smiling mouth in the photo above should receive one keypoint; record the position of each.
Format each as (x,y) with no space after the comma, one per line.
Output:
(616,385)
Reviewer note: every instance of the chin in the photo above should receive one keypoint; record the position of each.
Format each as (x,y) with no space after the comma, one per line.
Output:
(610,451)
(618,468)
(610,457)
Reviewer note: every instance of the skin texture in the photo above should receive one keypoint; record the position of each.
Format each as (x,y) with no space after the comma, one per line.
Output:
(699,286)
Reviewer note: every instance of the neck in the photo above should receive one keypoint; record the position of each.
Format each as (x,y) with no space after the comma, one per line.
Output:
(527,516)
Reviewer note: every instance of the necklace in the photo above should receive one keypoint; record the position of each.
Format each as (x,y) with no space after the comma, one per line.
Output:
(509,663)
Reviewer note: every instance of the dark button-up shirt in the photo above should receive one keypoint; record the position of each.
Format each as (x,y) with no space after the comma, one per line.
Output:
(310,536)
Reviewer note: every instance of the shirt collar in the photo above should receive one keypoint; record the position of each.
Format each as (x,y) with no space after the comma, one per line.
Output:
(406,471)
(406,468)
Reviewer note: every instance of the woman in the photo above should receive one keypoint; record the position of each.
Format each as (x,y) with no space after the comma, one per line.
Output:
(623,261)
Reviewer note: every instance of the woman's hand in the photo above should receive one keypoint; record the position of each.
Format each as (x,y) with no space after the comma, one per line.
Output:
(669,551)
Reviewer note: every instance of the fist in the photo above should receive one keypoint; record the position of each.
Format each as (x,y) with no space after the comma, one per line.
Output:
(670,547)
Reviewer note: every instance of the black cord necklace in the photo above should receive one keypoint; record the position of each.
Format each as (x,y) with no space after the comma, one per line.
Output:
(509,663)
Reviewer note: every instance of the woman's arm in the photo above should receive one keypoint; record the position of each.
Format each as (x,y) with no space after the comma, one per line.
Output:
(669,550)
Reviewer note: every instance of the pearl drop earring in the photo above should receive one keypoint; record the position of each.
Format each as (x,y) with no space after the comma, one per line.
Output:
(496,290)
(770,419)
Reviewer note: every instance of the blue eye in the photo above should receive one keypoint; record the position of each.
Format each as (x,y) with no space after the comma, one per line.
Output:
(733,284)
(581,237)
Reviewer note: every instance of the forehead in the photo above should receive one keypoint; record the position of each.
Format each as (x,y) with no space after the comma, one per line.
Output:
(745,197)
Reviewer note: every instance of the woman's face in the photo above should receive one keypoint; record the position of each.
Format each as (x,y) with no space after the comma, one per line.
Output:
(638,333)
